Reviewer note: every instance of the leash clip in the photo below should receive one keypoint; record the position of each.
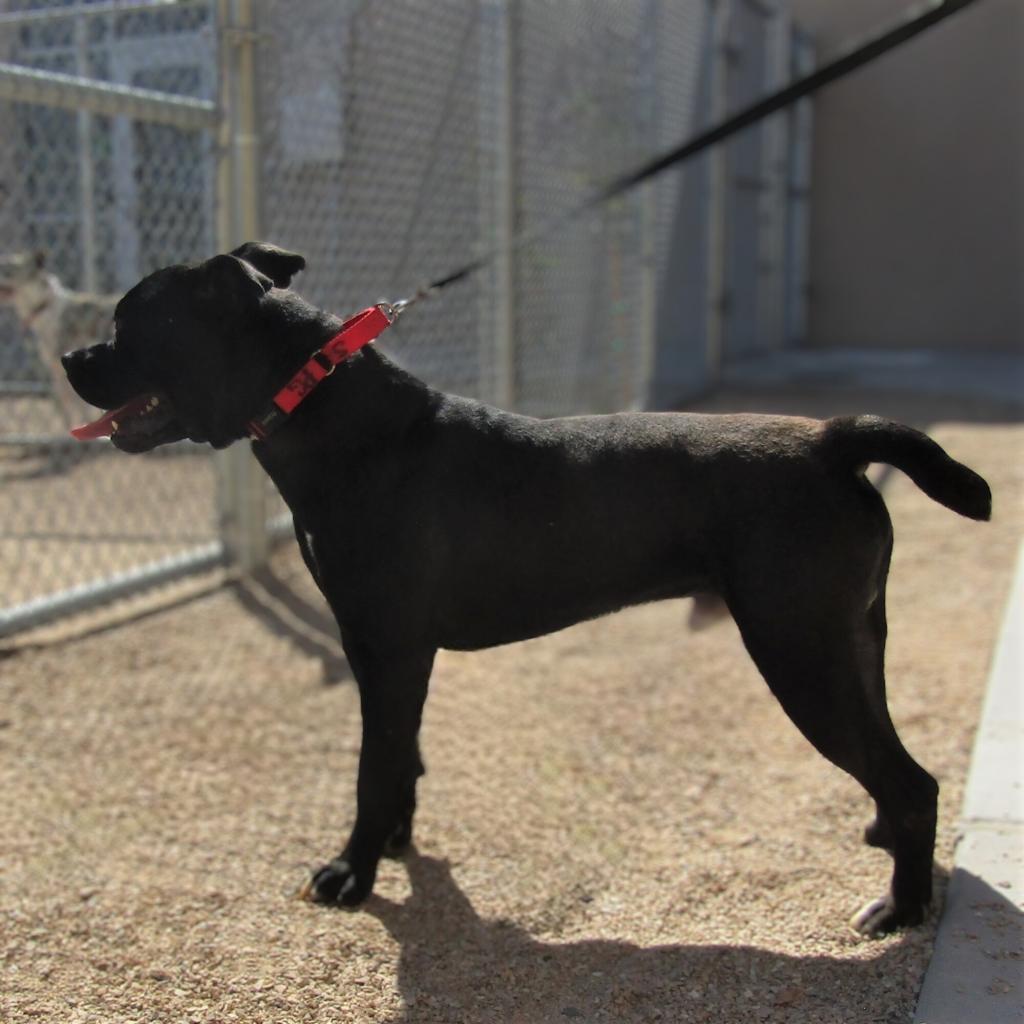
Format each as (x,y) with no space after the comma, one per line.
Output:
(393,310)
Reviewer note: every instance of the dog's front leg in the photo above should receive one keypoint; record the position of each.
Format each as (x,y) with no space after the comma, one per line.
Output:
(392,689)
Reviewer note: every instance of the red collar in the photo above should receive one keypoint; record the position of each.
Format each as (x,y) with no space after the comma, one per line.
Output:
(356,332)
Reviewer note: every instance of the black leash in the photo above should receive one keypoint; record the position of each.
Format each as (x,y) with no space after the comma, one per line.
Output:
(917,21)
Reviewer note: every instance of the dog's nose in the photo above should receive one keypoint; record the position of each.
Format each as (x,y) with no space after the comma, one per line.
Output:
(78,365)
(79,355)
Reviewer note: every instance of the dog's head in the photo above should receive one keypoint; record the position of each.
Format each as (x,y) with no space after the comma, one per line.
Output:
(192,355)
(21,272)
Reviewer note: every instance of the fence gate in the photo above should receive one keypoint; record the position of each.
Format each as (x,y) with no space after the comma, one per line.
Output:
(108,170)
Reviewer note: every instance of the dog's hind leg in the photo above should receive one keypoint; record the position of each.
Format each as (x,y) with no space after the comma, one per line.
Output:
(879,833)
(823,661)
(392,690)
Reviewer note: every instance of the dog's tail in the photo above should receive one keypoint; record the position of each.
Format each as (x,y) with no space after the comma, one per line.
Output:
(854,441)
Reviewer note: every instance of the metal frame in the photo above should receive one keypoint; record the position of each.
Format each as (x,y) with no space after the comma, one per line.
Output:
(50,14)
(83,598)
(243,502)
(70,92)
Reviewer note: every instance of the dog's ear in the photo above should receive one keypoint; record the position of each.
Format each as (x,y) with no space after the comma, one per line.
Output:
(39,259)
(229,279)
(279,265)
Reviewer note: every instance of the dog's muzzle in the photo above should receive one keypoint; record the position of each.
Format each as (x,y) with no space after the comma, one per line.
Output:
(137,417)
(142,416)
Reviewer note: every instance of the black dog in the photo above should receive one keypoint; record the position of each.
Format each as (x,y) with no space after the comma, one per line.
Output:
(432,521)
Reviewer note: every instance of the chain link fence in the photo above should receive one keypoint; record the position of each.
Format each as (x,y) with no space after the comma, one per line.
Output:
(388,141)
(108,115)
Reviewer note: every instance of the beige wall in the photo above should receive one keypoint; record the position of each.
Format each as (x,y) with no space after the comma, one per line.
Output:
(917,234)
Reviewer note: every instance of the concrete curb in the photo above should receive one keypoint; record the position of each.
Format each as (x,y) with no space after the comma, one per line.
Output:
(976,975)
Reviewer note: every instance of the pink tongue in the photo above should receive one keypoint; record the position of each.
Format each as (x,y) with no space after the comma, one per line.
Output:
(104,426)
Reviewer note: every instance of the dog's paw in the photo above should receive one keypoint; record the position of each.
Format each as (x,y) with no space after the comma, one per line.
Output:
(337,882)
(882,916)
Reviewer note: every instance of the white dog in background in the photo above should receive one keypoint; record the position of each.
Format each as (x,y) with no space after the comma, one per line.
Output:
(60,319)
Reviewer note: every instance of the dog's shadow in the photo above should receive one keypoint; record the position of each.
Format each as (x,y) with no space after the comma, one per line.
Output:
(456,966)
(295,612)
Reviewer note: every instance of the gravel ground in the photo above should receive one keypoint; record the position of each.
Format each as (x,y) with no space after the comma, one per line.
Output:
(618,823)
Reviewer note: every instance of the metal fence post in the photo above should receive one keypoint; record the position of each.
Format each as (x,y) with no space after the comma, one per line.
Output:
(504,71)
(721,55)
(242,487)
(86,182)
(773,197)
(647,211)
(801,129)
